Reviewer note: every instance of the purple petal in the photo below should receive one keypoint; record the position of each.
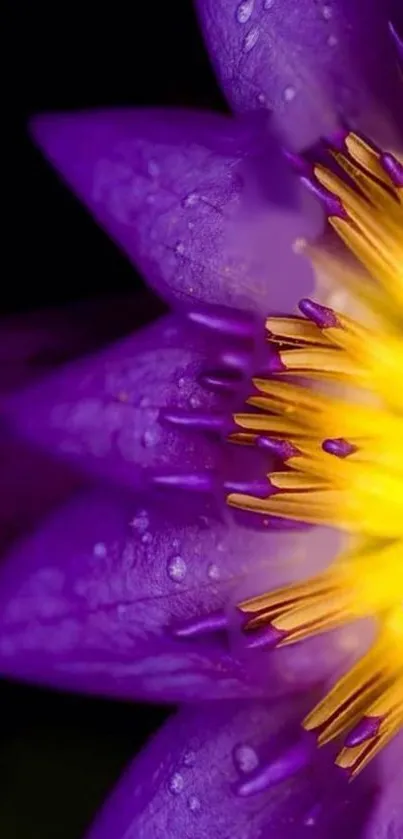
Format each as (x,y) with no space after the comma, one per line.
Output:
(94,600)
(34,342)
(31,485)
(103,411)
(184,784)
(313,63)
(203,205)
(387,819)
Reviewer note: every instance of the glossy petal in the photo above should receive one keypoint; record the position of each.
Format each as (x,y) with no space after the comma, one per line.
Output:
(312,63)
(93,601)
(184,784)
(103,411)
(204,205)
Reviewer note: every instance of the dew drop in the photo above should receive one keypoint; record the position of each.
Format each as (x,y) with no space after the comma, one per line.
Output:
(176,568)
(190,200)
(146,538)
(327,11)
(153,168)
(244,11)
(213,571)
(194,803)
(141,521)
(194,401)
(181,383)
(179,248)
(261,99)
(176,783)
(250,39)
(99,549)
(289,93)
(149,438)
(245,759)
(189,759)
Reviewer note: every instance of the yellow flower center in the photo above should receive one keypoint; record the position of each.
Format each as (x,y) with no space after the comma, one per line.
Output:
(336,403)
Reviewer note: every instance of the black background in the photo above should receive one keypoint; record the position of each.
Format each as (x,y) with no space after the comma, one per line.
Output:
(60,754)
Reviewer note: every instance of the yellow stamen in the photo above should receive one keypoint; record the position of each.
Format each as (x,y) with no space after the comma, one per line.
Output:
(357,487)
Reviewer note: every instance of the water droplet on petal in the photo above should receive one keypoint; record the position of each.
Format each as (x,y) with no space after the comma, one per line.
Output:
(146,538)
(176,783)
(179,248)
(153,168)
(244,11)
(289,93)
(99,549)
(194,803)
(149,438)
(176,568)
(246,759)
(190,200)
(261,99)
(189,758)
(327,11)
(213,571)
(181,383)
(141,522)
(250,39)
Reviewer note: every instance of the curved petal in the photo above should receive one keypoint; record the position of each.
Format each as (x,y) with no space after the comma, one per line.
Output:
(119,596)
(102,412)
(313,64)
(203,204)
(185,782)
(31,343)
(32,484)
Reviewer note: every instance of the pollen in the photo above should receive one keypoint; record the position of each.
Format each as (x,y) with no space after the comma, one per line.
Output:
(332,413)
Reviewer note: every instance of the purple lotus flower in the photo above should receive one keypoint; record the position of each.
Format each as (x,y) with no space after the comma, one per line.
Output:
(129,588)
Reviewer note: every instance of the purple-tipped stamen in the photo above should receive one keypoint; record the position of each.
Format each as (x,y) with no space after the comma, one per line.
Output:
(393,168)
(367,729)
(281,449)
(322,316)
(193,482)
(338,447)
(218,382)
(229,322)
(291,761)
(258,488)
(195,421)
(330,202)
(268,637)
(215,622)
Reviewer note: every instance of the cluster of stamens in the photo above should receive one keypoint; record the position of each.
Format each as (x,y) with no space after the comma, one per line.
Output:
(332,415)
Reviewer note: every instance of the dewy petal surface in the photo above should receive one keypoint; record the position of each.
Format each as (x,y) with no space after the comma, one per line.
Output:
(184,783)
(203,204)
(312,63)
(92,601)
(102,411)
